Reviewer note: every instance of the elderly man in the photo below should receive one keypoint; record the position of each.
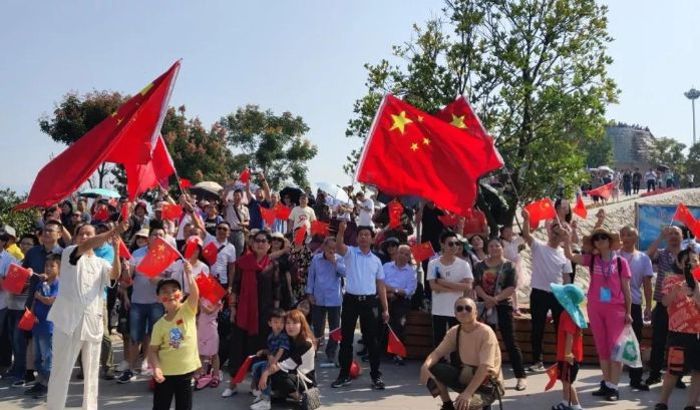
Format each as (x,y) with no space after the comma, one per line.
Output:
(77,313)
(324,289)
(475,363)
(400,281)
(238,218)
(549,265)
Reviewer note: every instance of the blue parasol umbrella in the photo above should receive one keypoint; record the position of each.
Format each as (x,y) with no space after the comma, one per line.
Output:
(103,192)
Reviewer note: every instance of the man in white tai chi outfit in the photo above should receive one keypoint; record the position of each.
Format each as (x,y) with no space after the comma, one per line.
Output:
(77,314)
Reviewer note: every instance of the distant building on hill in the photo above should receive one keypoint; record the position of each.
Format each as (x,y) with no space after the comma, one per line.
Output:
(630,145)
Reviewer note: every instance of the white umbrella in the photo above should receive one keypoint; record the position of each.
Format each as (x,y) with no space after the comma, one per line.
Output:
(605,168)
(334,191)
(210,186)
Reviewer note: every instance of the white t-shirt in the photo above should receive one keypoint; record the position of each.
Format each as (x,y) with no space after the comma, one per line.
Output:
(548,265)
(511,248)
(342,215)
(187,218)
(444,302)
(224,257)
(365,217)
(302,216)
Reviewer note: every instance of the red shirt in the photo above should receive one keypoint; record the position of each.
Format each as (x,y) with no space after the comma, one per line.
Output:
(683,313)
(568,327)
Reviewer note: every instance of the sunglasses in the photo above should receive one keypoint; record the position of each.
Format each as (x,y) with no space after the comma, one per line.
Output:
(599,237)
(452,243)
(261,241)
(463,308)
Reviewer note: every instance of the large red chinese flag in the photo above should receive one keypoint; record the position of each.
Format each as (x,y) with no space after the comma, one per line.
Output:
(422,251)
(580,208)
(16,279)
(157,171)
(159,256)
(539,211)
(459,113)
(409,152)
(240,374)
(604,191)
(394,345)
(126,137)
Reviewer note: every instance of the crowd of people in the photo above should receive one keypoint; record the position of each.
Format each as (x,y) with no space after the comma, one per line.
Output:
(288,287)
(632,181)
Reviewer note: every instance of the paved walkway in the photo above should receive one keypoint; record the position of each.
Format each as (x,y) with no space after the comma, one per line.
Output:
(402,393)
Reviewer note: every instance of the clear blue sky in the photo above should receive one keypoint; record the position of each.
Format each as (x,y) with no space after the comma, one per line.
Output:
(305,57)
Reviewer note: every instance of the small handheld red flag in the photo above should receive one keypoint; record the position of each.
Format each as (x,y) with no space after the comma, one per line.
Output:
(210,288)
(474,222)
(422,251)
(16,279)
(449,221)
(541,210)
(240,374)
(27,321)
(101,213)
(282,212)
(172,212)
(336,335)
(185,183)
(580,208)
(123,251)
(159,256)
(191,245)
(395,211)
(394,345)
(300,235)
(268,215)
(319,228)
(553,373)
(696,273)
(245,176)
(210,253)
(684,216)
(604,191)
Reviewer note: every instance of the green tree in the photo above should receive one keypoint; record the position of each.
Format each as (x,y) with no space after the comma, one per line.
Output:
(669,152)
(75,115)
(535,71)
(22,221)
(692,164)
(598,152)
(274,144)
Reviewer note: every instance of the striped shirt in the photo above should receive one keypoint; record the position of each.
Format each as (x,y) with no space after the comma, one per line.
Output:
(663,262)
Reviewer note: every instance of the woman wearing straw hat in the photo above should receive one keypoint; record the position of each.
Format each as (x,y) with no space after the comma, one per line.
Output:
(609,300)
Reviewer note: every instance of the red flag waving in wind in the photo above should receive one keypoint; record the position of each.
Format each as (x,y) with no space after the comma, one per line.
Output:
(210,253)
(580,208)
(171,211)
(319,228)
(684,216)
(245,176)
(409,152)
(604,191)
(422,251)
(126,137)
(210,288)
(159,256)
(156,172)
(541,210)
(459,113)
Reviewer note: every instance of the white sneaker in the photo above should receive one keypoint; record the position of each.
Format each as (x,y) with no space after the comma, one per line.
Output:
(261,405)
(124,365)
(229,392)
(256,392)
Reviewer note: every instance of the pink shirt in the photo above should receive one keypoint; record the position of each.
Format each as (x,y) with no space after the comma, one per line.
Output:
(605,275)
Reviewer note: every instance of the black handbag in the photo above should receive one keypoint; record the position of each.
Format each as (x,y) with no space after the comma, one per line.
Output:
(311,396)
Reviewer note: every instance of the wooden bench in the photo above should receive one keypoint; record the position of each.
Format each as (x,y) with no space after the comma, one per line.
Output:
(419,339)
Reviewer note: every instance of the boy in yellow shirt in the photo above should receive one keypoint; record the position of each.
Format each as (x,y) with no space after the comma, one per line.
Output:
(173,352)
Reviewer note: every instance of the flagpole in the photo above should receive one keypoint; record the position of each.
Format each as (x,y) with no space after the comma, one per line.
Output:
(375,123)
(517,195)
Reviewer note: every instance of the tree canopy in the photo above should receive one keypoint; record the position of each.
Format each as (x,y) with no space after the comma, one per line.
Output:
(534,70)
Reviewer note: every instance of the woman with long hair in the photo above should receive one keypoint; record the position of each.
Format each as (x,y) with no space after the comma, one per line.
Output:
(609,300)
(254,293)
(284,376)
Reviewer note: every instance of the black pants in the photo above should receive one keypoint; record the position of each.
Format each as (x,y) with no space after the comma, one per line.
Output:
(179,386)
(635,187)
(651,185)
(283,384)
(627,188)
(505,326)
(318,318)
(366,308)
(542,302)
(398,309)
(224,329)
(242,345)
(659,321)
(440,326)
(5,344)
(637,326)
(448,375)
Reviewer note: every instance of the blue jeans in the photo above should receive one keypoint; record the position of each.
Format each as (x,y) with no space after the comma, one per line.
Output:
(142,317)
(18,338)
(256,371)
(42,355)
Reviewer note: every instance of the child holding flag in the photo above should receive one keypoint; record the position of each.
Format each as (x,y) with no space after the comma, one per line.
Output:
(173,353)
(569,343)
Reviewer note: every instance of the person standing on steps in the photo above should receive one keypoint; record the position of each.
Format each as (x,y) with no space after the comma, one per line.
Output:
(364,295)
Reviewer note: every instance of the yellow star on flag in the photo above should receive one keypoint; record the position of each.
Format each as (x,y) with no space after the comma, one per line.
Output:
(400,122)
(458,121)
(146,88)
(414,147)
(426,141)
